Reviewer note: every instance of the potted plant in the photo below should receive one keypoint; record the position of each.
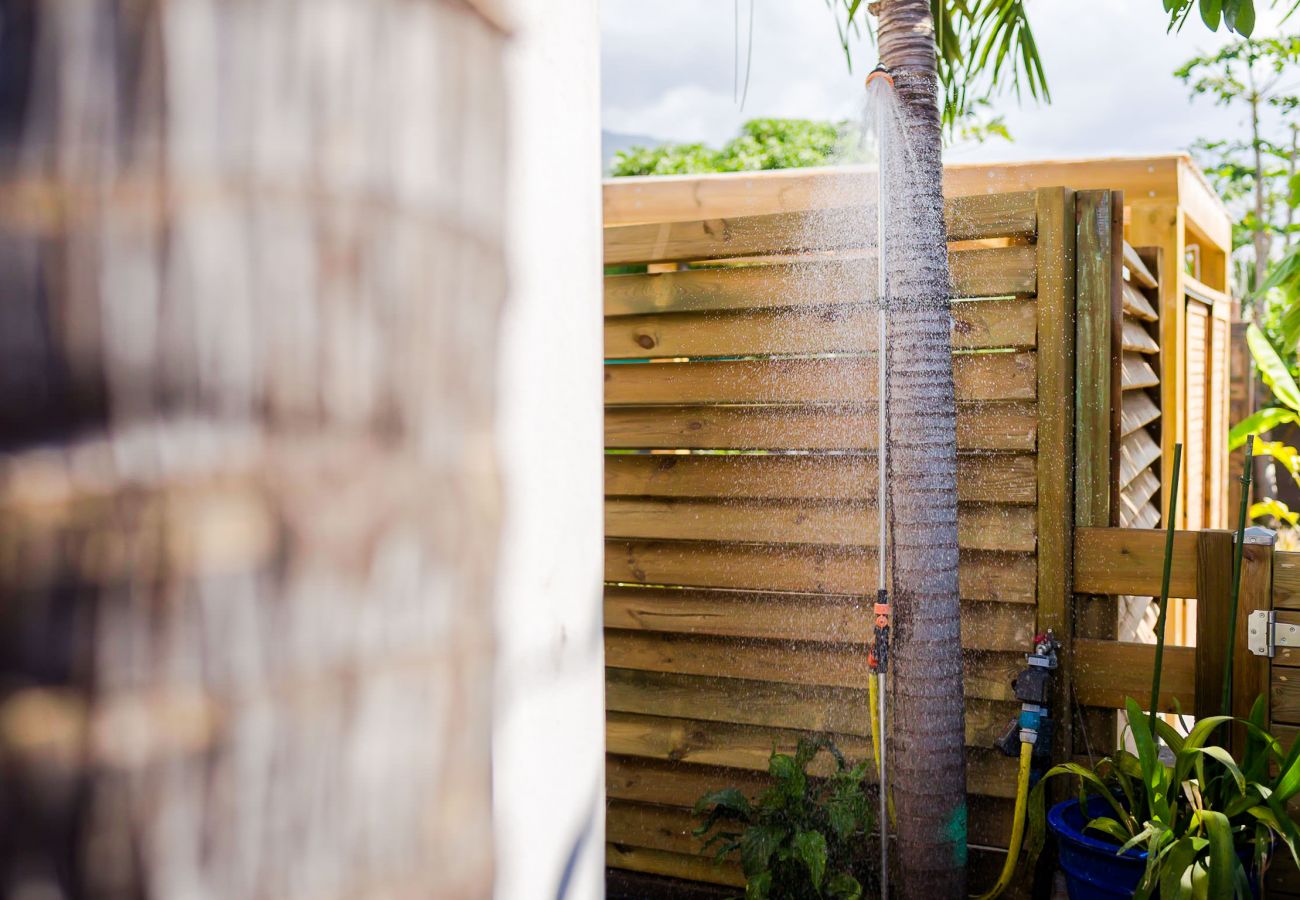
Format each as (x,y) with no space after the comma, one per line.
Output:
(804,838)
(1201,825)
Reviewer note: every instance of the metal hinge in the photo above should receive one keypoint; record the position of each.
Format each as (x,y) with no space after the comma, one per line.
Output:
(1264,634)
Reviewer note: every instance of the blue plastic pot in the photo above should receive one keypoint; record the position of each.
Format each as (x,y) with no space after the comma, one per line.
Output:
(1093,870)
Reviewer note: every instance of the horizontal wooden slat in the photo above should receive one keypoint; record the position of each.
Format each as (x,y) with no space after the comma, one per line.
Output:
(968,218)
(990,478)
(994,577)
(673,865)
(985,426)
(1285,696)
(1286,580)
(982,216)
(774,704)
(1138,409)
(1128,561)
(995,272)
(843,381)
(629,643)
(849,524)
(1106,672)
(749,746)
(976,325)
(1136,451)
(1138,270)
(1137,372)
(1137,338)
(1137,305)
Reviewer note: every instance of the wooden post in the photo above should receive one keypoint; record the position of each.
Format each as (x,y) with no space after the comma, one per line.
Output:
(1161,225)
(1213,595)
(1250,673)
(1056,415)
(1098,347)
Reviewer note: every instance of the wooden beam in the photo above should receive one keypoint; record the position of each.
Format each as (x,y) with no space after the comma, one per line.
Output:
(845,381)
(1097,281)
(1105,672)
(1010,426)
(995,272)
(786,233)
(981,478)
(1213,591)
(1128,561)
(1056,419)
(977,325)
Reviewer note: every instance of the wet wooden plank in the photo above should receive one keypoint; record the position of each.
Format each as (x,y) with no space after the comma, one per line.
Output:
(748,747)
(1137,372)
(699,634)
(977,325)
(996,577)
(1137,338)
(1009,426)
(1137,451)
(968,218)
(995,272)
(845,381)
(842,523)
(988,478)
(1137,269)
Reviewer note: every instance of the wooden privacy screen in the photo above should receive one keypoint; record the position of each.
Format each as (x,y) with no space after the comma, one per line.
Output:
(740,490)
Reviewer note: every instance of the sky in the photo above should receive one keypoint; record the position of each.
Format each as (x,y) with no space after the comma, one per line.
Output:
(668,71)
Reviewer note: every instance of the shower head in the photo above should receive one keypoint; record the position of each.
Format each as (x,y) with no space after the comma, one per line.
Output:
(880,72)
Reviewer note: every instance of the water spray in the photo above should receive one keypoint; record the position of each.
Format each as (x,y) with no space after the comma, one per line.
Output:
(878,659)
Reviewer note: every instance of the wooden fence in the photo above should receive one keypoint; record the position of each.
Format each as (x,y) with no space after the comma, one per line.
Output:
(1109,562)
(739,486)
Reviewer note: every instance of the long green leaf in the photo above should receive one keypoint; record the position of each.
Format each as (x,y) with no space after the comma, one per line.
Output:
(1154,774)
(1259,422)
(1224,758)
(1272,369)
(1223,854)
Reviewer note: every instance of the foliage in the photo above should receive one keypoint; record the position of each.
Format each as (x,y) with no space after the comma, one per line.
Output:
(984,47)
(803,838)
(1256,177)
(1196,817)
(776,144)
(987,47)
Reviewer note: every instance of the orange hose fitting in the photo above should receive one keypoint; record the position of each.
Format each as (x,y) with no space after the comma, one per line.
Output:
(880,72)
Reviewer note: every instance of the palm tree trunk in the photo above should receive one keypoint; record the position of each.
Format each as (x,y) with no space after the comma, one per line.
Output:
(927,754)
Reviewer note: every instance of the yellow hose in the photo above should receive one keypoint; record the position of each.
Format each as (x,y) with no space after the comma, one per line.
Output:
(873,697)
(1017,824)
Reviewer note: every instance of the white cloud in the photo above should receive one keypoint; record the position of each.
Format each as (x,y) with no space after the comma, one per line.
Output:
(669,72)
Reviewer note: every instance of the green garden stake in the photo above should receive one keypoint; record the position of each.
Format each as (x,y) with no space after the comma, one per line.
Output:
(1170,528)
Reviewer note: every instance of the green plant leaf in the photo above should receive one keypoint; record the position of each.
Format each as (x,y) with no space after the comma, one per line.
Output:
(730,799)
(1154,774)
(1223,854)
(1169,735)
(843,886)
(789,776)
(758,887)
(1272,369)
(1258,423)
(757,845)
(1224,758)
(810,849)
(1110,827)
(1293,191)
(1210,10)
